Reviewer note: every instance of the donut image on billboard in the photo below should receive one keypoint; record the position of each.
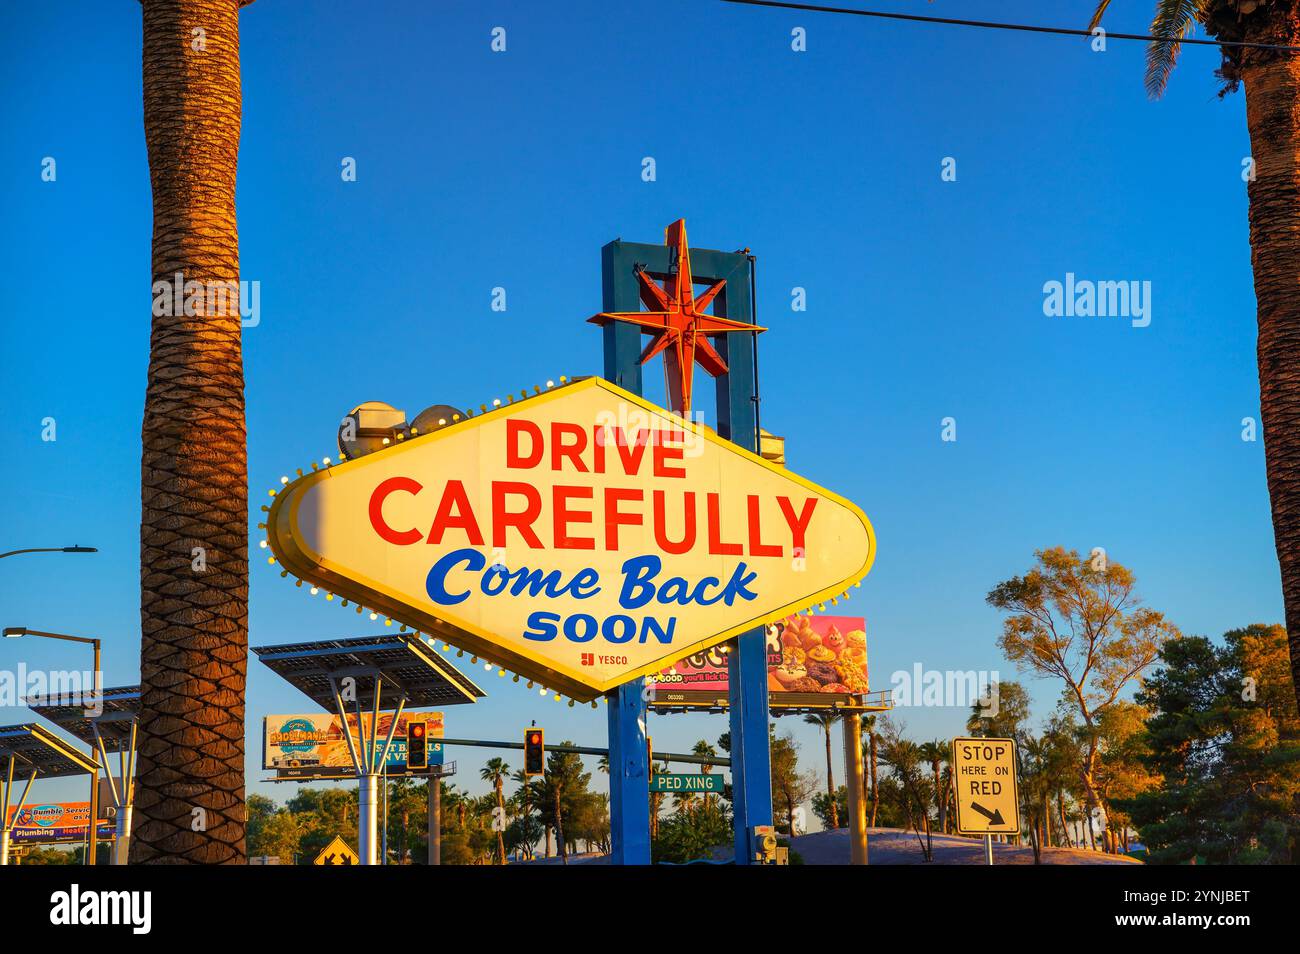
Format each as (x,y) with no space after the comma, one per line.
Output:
(805,654)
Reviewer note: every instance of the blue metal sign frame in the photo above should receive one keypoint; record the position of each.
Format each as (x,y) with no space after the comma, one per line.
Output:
(737,404)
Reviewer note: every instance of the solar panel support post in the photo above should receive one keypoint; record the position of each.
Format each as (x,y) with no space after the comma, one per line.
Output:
(126,761)
(7,826)
(5,795)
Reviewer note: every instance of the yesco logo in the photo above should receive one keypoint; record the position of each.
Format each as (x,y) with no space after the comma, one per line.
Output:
(76,907)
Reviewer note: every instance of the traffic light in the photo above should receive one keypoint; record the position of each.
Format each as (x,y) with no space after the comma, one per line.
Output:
(534,752)
(417,747)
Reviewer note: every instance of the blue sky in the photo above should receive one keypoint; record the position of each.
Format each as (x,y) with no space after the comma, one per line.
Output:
(479,169)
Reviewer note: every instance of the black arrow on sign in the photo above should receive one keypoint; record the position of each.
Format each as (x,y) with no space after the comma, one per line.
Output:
(994,817)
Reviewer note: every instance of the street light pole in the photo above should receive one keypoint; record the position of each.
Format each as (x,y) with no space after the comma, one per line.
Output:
(14,632)
(73,549)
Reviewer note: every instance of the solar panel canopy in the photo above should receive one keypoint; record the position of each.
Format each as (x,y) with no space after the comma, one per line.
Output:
(407,668)
(34,747)
(121,707)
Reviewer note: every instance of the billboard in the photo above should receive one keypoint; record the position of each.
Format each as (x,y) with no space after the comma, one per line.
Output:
(805,654)
(55,822)
(313,744)
(581,537)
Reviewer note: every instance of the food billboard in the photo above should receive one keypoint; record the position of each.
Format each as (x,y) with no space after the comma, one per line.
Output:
(303,745)
(54,822)
(581,536)
(805,654)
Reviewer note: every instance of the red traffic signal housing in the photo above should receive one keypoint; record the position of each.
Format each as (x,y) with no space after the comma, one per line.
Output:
(534,752)
(417,745)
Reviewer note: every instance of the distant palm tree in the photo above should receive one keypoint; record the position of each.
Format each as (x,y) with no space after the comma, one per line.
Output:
(602,764)
(684,803)
(827,718)
(869,752)
(453,801)
(194,460)
(495,772)
(705,751)
(937,753)
(1272,105)
(656,799)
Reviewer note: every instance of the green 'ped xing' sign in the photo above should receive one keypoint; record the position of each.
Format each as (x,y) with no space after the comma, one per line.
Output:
(677,784)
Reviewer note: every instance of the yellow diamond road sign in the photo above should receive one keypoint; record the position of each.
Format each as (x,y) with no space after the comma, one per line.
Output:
(337,852)
(581,537)
(984,779)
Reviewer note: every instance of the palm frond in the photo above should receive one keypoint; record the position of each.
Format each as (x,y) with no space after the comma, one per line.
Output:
(1098,14)
(1173,21)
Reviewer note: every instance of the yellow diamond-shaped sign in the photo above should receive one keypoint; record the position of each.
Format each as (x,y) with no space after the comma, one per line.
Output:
(581,537)
(337,852)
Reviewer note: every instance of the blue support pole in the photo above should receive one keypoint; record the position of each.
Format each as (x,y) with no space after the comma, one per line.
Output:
(751,755)
(629,762)
(629,776)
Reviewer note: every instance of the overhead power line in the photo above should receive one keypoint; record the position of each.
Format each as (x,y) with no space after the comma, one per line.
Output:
(1020,27)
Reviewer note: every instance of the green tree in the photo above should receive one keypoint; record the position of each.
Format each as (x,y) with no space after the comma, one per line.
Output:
(904,760)
(699,834)
(560,794)
(828,811)
(825,719)
(791,788)
(936,753)
(1000,713)
(706,751)
(1079,620)
(495,772)
(1225,738)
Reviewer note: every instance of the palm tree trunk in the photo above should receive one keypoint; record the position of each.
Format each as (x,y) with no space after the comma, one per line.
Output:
(875,790)
(938,795)
(501,806)
(559,829)
(830,779)
(1065,827)
(1273,118)
(194,476)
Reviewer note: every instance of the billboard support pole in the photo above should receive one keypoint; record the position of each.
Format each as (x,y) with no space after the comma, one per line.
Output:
(629,769)
(852,727)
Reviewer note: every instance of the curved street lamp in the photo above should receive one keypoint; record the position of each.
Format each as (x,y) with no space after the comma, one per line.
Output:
(50,550)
